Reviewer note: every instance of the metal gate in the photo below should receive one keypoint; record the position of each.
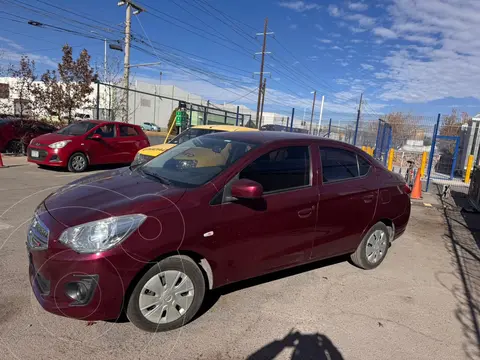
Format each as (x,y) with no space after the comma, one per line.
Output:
(383,142)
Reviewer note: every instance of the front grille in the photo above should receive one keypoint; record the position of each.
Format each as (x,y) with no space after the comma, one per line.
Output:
(37,238)
(42,154)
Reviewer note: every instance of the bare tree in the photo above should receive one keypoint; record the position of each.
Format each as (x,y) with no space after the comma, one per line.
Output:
(404,127)
(47,96)
(24,76)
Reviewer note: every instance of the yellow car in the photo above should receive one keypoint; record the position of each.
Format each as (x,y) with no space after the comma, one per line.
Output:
(149,153)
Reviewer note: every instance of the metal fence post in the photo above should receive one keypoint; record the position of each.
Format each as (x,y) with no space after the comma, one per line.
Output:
(291,123)
(356,129)
(454,161)
(98,100)
(432,151)
(191,114)
(236,120)
(381,143)
(329,128)
(378,138)
(225,119)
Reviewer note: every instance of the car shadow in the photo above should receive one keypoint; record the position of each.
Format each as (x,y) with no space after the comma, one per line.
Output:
(303,346)
(214,295)
(462,242)
(89,170)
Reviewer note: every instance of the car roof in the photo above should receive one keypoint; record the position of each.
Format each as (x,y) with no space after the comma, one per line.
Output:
(258,137)
(227,128)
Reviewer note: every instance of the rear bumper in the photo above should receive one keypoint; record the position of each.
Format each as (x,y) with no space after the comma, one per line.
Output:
(401,222)
(47,156)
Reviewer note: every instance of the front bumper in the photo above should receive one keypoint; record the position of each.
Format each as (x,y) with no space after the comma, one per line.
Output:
(53,270)
(47,156)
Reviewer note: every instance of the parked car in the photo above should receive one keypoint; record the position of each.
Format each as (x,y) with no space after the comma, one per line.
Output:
(89,142)
(16,134)
(152,240)
(149,153)
(150,126)
(147,127)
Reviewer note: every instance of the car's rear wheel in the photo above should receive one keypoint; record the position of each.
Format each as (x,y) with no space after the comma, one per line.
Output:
(78,162)
(168,296)
(373,247)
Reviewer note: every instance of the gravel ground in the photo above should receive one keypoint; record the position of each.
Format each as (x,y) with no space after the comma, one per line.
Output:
(421,303)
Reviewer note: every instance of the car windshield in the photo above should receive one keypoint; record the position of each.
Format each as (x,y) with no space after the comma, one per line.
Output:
(79,128)
(191,134)
(195,162)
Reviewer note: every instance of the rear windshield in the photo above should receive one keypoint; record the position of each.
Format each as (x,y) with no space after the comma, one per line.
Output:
(79,128)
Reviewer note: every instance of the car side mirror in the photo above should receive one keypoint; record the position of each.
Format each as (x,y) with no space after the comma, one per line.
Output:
(96,137)
(246,189)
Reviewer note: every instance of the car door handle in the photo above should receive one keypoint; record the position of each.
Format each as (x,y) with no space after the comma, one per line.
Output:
(368,198)
(302,214)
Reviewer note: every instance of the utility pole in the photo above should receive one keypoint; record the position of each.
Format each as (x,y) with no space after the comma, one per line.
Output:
(358,119)
(263,101)
(261,65)
(313,110)
(126,62)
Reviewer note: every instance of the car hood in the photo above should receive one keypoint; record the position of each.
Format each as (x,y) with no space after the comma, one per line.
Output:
(51,138)
(110,193)
(157,149)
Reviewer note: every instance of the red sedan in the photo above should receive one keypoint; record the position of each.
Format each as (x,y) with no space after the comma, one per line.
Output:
(84,143)
(216,209)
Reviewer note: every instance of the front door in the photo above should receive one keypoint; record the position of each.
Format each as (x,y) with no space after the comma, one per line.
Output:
(347,201)
(276,231)
(104,150)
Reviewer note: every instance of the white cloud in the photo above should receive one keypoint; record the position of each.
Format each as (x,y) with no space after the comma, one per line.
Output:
(319,27)
(293,26)
(299,6)
(384,32)
(336,48)
(337,35)
(15,56)
(325,41)
(357,6)
(11,43)
(355,29)
(440,57)
(363,20)
(367,66)
(334,11)
(356,41)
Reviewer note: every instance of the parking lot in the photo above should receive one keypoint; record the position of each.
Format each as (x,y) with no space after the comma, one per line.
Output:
(421,303)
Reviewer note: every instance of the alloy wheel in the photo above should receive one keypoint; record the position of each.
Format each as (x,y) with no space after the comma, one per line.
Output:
(376,246)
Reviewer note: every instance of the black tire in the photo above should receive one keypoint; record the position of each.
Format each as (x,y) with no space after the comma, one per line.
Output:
(359,257)
(14,147)
(77,158)
(179,263)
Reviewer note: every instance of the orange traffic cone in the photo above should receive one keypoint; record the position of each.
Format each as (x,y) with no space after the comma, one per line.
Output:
(417,187)
(1,161)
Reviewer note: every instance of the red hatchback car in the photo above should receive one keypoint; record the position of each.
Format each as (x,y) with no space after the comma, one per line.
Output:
(152,240)
(84,143)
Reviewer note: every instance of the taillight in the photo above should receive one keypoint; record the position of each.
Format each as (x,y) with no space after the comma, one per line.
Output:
(406,189)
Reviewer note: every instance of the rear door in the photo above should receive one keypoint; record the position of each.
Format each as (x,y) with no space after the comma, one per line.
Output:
(348,196)
(129,141)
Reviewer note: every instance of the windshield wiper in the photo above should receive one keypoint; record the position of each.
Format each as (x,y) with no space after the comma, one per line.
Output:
(155,176)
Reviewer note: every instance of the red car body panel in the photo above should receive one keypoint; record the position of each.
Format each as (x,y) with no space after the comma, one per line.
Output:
(114,150)
(21,130)
(281,230)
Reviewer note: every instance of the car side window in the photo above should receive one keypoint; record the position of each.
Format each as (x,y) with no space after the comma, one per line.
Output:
(280,169)
(106,130)
(126,130)
(341,164)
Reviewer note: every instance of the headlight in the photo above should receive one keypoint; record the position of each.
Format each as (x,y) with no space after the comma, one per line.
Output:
(59,144)
(101,235)
(141,159)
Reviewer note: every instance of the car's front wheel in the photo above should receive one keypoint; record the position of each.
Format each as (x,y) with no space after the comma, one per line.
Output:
(78,162)
(168,296)
(373,247)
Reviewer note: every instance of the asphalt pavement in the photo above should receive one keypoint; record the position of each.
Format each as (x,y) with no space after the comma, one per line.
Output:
(414,306)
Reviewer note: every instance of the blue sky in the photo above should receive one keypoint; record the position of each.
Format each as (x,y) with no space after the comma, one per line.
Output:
(405,55)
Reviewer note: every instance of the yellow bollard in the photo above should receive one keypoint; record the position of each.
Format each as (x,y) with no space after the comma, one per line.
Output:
(369,150)
(372,151)
(364,148)
(424,164)
(469,169)
(391,153)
